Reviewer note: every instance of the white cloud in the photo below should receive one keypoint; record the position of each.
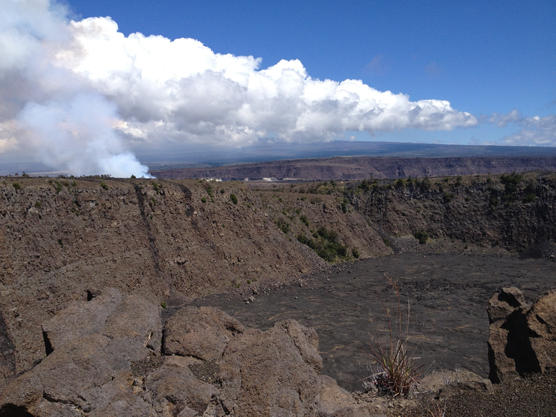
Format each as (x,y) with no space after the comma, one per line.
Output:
(540,131)
(502,120)
(200,96)
(152,89)
(534,131)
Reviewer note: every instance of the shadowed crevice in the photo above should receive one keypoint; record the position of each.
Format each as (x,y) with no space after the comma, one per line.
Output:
(12,410)
(47,345)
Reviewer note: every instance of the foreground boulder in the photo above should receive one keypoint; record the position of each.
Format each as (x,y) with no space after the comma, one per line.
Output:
(522,339)
(106,357)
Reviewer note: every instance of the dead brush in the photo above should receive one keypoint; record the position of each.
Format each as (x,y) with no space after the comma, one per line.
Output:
(397,371)
(438,410)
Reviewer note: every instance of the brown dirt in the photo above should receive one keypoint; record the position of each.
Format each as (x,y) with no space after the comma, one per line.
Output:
(532,396)
(59,239)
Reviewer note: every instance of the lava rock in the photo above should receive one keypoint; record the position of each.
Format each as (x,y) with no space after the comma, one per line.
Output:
(200,332)
(522,340)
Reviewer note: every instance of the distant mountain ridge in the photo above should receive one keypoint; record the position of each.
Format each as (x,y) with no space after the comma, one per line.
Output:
(357,168)
(190,156)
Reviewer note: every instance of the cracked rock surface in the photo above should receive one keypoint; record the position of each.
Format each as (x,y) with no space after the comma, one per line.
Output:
(107,357)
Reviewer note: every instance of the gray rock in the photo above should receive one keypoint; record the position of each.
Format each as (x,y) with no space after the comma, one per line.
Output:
(215,367)
(447,383)
(124,404)
(175,388)
(521,340)
(541,323)
(265,374)
(334,401)
(200,332)
(81,318)
(501,305)
(89,368)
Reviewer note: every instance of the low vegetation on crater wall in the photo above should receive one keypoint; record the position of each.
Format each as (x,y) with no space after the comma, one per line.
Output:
(189,238)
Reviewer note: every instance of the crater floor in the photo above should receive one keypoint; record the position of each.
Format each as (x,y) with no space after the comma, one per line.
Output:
(446,295)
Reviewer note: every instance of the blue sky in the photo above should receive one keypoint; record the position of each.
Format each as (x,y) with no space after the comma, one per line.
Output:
(483,57)
(85,85)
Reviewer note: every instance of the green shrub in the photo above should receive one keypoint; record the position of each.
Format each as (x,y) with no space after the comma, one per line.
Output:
(163,304)
(102,184)
(447,197)
(355,253)
(366,185)
(156,187)
(529,198)
(326,244)
(233,198)
(345,205)
(508,199)
(302,238)
(203,200)
(38,204)
(511,181)
(422,237)
(304,220)
(425,184)
(17,185)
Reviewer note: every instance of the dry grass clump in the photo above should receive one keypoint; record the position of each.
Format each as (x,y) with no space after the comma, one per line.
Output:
(397,372)
(438,409)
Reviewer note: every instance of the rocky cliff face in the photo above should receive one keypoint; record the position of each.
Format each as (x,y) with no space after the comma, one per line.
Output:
(168,241)
(515,212)
(172,241)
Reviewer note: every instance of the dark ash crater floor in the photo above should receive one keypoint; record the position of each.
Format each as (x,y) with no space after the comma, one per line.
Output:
(447,294)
